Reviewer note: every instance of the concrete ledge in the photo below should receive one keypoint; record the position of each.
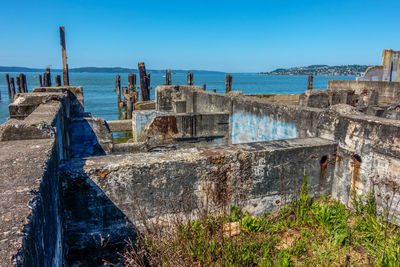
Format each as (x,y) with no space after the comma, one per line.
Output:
(257,175)
(120,125)
(75,94)
(29,225)
(389,92)
(291,99)
(39,124)
(146,105)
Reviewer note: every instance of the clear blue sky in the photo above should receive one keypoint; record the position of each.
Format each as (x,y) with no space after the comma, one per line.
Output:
(232,36)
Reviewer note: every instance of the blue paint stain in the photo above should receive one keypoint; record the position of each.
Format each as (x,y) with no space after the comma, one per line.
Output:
(247,127)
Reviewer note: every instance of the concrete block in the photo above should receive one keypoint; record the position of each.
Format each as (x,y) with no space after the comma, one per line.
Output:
(314,99)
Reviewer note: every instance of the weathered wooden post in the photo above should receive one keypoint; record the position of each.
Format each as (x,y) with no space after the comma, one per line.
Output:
(18,79)
(12,87)
(190,78)
(168,77)
(8,85)
(40,80)
(23,83)
(144,82)
(214,90)
(129,106)
(64,56)
(118,88)
(228,83)
(204,87)
(132,82)
(58,80)
(310,82)
(47,78)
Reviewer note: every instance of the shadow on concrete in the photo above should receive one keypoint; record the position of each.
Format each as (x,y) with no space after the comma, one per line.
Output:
(95,229)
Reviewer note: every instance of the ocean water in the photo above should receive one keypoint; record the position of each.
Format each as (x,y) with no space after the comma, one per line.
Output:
(101,99)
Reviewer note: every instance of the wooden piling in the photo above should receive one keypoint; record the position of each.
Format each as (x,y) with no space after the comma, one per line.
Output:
(129,106)
(18,81)
(144,82)
(40,80)
(64,56)
(21,83)
(118,88)
(47,78)
(228,83)
(24,86)
(132,82)
(214,90)
(168,77)
(8,85)
(58,80)
(190,78)
(310,82)
(12,88)
(204,87)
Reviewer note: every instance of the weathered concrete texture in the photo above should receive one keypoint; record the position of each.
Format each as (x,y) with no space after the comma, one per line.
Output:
(120,125)
(286,121)
(146,105)
(392,112)
(389,92)
(39,124)
(314,99)
(140,119)
(388,71)
(373,141)
(75,96)
(178,99)
(95,229)
(291,99)
(189,127)
(25,103)
(130,147)
(89,136)
(30,227)
(259,120)
(261,176)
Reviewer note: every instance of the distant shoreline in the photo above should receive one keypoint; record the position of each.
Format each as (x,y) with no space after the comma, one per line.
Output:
(321,70)
(100,70)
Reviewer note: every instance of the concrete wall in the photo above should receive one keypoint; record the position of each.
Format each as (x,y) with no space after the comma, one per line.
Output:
(259,176)
(389,92)
(369,149)
(31,224)
(290,99)
(252,119)
(388,71)
(374,139)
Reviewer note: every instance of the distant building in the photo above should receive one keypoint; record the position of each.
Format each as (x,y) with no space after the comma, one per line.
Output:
(388,71)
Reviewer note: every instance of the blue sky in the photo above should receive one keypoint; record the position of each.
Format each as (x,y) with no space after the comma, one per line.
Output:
(232,36)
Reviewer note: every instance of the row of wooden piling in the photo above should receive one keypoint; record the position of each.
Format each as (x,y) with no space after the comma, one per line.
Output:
(19,85)
(20,81)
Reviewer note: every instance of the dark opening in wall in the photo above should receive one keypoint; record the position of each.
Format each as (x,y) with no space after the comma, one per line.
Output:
(357,158)
(323,160)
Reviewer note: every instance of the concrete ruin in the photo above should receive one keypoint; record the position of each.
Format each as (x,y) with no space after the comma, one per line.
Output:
(388,71)
(68,191)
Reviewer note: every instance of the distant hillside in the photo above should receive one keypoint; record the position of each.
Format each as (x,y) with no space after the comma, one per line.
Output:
(344,70)
(99,70)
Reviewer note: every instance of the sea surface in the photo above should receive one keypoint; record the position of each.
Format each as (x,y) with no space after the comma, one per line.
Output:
(101,99)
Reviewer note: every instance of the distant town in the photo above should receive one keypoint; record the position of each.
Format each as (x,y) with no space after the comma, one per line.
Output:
(343,70)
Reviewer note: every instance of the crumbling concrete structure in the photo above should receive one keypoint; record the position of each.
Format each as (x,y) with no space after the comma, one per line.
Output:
(67,191)
(388,71)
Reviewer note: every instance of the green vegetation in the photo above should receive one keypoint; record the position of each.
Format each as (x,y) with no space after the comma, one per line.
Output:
(344,70)
(318,232)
